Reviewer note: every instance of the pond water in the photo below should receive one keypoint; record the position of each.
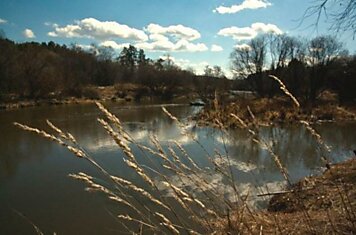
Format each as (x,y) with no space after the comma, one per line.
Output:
(33,170)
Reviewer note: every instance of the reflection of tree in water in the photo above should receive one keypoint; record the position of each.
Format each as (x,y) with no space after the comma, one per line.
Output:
(18,147)
(297,149)
(292,143)
(341,137)
(294,146)
(147,113)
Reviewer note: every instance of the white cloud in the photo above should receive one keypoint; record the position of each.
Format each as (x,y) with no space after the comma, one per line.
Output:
(216,48)
(156,46)
(243,46)
(158,43)
(28,33)
(173,38)
(114,45)
(185,64)
(266,28)
(246,33)
(237,33)
(178,31)
(84,46)
(50,24)
(2,21)
(166,45)
(198,67)
(100,30)
(158,37)
(184,45)
(246,4)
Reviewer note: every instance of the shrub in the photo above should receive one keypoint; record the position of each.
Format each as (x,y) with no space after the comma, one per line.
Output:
(90,93)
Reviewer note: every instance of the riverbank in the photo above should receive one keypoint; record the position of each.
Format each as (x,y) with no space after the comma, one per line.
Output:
(121,93)
(267,111)
(40,102)
(324,204)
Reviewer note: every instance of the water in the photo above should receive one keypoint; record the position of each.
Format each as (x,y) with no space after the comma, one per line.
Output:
(33,171)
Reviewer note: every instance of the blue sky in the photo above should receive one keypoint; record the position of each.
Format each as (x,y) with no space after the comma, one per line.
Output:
(194,32)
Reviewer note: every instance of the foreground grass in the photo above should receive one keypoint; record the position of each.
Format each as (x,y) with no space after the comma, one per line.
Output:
(317,205)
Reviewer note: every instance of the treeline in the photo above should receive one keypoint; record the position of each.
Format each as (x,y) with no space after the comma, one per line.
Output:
(307,67)
(48,70)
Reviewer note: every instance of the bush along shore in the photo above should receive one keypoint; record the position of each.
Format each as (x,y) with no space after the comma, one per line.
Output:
(268,111)
(120,93)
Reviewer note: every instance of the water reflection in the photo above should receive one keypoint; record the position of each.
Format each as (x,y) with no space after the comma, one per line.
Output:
(33,171)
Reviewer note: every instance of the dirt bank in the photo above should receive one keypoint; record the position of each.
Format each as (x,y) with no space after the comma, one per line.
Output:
(324,204)
(121,93)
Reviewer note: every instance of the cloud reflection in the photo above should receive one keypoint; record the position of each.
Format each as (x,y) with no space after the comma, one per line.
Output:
(141,135)
(219,184)
(239,165)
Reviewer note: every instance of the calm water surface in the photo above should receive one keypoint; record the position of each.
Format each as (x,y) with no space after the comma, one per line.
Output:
(33,171)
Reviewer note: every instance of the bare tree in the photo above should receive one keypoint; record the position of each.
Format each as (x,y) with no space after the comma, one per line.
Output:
(283,49)
(241,64)
(249,58)
(340,13)
(208,71)
(215,71)
(258,53)
(323,49)
(218,72)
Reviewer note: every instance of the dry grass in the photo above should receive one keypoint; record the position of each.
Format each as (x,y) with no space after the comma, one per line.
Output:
(206,207)
(159,216)
(269,111)
(326,204)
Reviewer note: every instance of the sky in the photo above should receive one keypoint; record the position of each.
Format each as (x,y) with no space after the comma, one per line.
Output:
(194,33)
